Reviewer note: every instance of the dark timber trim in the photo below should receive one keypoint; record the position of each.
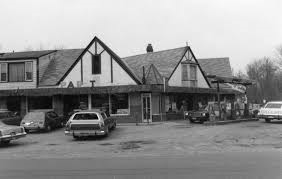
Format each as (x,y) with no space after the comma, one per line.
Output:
(112,79)
(81,70)
(186,49)
(116,58)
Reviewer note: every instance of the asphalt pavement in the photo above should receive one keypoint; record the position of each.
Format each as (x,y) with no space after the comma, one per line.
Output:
(235,165)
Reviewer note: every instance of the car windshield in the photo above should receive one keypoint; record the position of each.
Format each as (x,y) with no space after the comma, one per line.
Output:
(34,116)
(273,105)
(85,116)
(203,107)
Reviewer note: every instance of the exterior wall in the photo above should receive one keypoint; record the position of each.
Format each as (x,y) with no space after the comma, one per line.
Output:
(3,102)
(58,105)
(21,85)
(156,113)
(176,78)
(24,106)
(120,76)
(135,110)
(74,76)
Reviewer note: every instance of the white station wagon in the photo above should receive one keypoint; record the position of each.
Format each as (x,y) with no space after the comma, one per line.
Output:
(89,123)
(271,110)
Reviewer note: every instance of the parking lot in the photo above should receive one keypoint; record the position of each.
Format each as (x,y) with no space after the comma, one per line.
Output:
(166,138)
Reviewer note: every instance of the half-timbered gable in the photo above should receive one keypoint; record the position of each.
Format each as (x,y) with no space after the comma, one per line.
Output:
(188,73)
(98,66)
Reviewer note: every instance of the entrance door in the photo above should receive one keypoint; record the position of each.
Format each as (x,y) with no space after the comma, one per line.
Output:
(146,107)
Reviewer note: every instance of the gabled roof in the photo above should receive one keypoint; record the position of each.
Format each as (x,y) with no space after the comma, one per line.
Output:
(153,76)
(25,55)
(59,63)
(216,66)
(114,55)
(164,61)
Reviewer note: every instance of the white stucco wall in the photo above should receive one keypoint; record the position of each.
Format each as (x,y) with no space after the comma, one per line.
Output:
(20,85)
(74,76)
(176,78)
(120,76)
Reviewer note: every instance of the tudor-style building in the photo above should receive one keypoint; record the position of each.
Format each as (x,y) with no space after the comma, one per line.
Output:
(148,87)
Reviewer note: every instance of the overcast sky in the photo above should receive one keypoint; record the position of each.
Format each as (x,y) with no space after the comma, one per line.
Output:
(242,30)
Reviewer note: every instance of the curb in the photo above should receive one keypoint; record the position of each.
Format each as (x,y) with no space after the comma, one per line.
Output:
(229,121)
(140,124)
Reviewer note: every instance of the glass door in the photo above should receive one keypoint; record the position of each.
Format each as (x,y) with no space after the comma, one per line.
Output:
(146,107)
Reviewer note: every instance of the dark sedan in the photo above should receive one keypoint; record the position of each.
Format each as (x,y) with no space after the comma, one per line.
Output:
(200,115)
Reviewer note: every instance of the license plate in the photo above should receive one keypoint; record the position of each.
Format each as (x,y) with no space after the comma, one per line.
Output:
(194,118)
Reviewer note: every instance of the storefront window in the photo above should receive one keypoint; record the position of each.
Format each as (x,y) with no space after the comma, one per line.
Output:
(100,101)
(119,103)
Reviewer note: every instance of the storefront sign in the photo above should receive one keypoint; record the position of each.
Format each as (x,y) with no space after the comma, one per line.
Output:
(237,87)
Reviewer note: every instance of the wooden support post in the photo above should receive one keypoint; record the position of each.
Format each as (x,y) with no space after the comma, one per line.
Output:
(218,101)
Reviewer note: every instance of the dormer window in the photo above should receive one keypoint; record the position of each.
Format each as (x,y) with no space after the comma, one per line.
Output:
(96,64)
(28,71)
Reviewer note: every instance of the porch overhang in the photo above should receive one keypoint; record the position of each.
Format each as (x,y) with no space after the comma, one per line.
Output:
(110,90)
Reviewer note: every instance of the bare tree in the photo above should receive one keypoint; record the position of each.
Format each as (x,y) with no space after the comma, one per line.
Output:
(264,72)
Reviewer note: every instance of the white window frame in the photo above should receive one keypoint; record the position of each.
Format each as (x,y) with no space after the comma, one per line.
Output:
(196,76)
(187,72)
(6,71)
(25,76)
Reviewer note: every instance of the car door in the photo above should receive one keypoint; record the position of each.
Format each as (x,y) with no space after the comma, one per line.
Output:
(55,118)
(106,119)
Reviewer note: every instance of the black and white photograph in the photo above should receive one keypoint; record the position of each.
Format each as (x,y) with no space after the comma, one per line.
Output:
(140,89)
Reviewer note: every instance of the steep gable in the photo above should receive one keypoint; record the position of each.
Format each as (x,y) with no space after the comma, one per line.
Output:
(188,60)
(153,76)
(112,70)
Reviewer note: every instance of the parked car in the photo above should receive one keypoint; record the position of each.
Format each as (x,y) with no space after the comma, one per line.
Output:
(42,120)
(10,118)
(200,115)
(89,123)
(9,132)
(271,110)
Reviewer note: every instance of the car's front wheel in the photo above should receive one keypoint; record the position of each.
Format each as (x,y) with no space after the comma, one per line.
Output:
(107,131)
(114,126)
(47,128)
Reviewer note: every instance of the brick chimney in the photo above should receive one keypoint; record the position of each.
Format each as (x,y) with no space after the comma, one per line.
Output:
(149,48)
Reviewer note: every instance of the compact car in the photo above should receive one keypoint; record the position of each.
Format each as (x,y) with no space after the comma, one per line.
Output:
(42,120)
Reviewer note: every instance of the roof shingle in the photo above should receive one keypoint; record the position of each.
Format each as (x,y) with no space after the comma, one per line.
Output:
(25,55)
(216,66)
(164,61)
(60,62)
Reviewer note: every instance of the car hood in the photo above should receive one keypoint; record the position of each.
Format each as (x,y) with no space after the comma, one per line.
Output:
(199,111)
(8,127)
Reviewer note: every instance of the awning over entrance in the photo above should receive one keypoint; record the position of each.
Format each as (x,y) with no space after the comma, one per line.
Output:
(110,89)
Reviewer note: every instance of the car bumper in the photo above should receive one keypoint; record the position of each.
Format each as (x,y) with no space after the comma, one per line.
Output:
(12,137)
(85,133)
(270,116)
(198,118)
(33,127)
